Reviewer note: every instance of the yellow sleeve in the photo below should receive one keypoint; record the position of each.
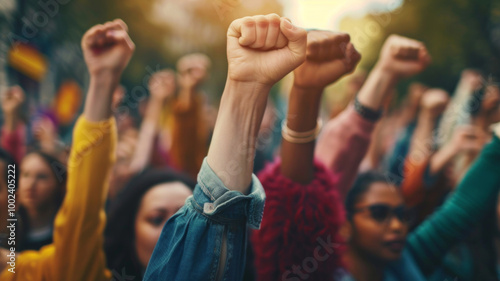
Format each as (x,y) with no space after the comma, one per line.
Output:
(77,251)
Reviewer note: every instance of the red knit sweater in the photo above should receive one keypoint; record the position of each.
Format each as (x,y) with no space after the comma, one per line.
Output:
(299,220)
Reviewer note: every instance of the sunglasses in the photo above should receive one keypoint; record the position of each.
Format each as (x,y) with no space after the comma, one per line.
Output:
(383,213)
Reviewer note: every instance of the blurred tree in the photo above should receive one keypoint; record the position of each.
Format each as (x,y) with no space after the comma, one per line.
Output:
(459,34)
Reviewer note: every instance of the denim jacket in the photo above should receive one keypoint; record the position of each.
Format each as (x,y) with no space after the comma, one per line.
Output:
(206,239)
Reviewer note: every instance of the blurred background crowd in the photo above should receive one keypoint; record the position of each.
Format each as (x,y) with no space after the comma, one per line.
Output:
(166,106)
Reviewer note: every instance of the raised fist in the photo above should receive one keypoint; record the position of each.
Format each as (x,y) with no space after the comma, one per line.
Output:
(264,49)
(403,57)
(472,79)
(192,70)
(329,56)
(469,139)
(12,99)
(44,129)
(162,84)
(434,101)
(107,48)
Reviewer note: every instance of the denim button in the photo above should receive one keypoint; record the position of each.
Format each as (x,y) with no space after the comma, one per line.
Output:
(208,208)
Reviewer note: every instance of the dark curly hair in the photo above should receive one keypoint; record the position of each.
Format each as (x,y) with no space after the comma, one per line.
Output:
(119,241)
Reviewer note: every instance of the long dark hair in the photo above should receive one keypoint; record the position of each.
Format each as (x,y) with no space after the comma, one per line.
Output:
(120,232)
(59,171)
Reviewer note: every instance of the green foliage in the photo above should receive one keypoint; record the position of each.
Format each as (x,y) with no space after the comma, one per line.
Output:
(459,34)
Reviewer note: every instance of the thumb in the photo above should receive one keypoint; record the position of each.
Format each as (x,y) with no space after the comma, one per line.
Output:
(297,38)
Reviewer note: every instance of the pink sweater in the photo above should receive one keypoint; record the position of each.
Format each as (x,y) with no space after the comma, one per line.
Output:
(14,142)
(343,144)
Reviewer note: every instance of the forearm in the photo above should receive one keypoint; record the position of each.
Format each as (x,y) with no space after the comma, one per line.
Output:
(297,158)
(413,185)
(343,144)
(186,98)
(14,141)
(231,153)
(441,159)
(99,96)
(376,88)
(11,122)
(80,222)
(148,131)
(422,141)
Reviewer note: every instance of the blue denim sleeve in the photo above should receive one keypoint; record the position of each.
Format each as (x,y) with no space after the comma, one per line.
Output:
(206,239)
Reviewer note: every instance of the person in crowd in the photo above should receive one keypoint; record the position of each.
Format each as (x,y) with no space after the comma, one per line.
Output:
(206,239)
(190,130)
(13,131)
(291,227)
(42,186)
(137,216)
(76,252)
(471,80)
(45,136)
(423,139)
(303,206)
(430,177)
(380,247)
(405,116)
(135,153)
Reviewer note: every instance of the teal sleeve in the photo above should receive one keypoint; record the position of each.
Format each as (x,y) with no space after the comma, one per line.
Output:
(474,197)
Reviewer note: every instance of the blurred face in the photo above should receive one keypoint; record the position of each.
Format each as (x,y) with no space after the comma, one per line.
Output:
(38,187)
(372,235)
(157,206)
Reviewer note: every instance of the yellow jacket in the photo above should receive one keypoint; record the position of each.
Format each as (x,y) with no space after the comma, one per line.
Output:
(77,251)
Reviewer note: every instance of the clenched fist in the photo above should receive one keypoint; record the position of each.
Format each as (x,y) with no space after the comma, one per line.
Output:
(12,99)
(329,56)
(107,48)
(162,85)
(403,57)
(434,102)
(469,139)
(193,70)
(264,49)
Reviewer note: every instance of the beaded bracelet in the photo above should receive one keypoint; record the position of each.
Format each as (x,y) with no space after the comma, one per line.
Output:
(300,137)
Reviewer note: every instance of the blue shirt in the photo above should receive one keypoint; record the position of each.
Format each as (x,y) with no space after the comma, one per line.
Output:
(206,239)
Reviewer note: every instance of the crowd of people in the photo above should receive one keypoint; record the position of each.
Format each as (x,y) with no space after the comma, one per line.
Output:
(384,189)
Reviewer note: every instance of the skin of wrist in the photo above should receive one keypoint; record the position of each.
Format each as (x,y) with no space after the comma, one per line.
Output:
(105,72)
(309,88)
(385,71)
(426,115)
(246,91)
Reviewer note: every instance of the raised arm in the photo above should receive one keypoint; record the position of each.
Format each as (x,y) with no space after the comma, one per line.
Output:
(329,56)
(13,131)
(190,131)
(423,142)
(474,197)
(206,239)
(77,253)
(345,139)
(161,87)
(302,204)
(78,235)
(261,51)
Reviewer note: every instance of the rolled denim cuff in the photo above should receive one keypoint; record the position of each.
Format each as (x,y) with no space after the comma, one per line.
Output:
(219,202)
